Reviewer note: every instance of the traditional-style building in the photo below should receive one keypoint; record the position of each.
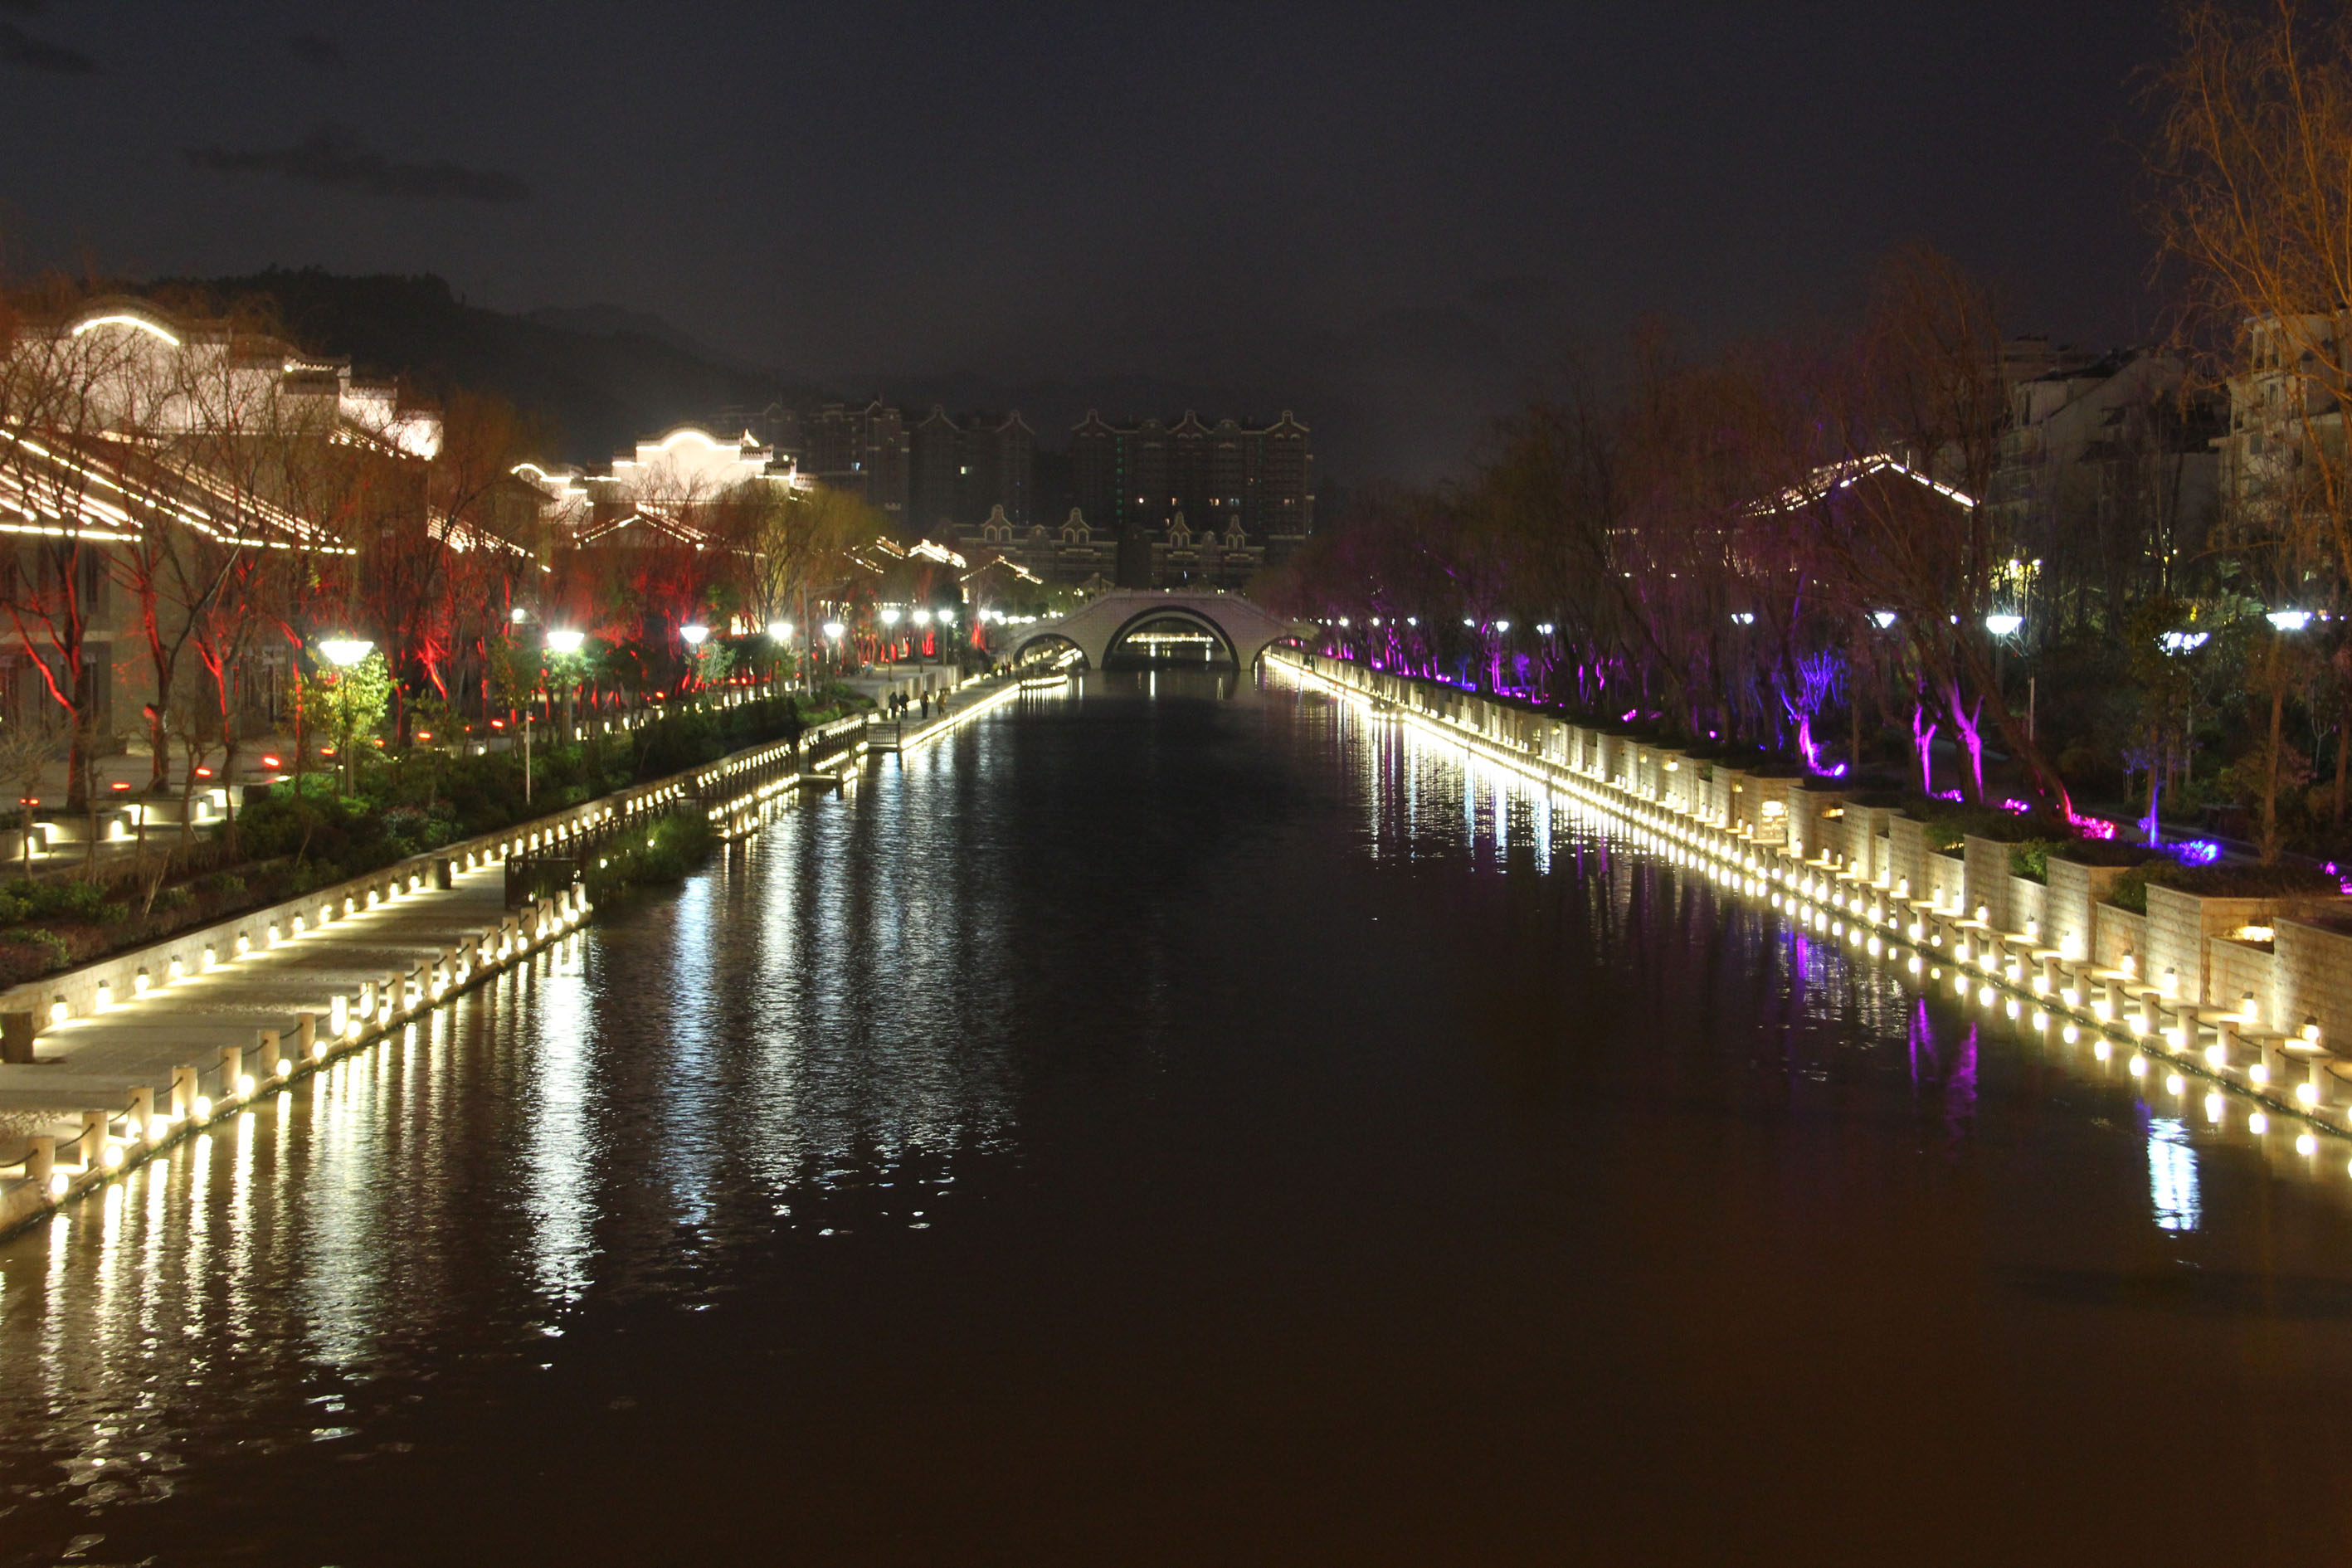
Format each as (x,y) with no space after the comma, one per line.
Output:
(1076,553)
(140,456)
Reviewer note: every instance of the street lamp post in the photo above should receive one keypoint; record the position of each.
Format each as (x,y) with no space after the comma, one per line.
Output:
(780,636)
(566,645)
(345,654)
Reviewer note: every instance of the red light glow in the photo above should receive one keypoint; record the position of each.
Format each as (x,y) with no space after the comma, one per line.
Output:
(271,763)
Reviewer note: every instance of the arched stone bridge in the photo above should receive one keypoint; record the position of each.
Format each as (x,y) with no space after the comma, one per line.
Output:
(1101,625)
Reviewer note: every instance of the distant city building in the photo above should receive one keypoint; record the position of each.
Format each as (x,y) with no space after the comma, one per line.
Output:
(1146,473)
(862,449)
(2104,454)
(962,473)
(1165,489)
(2276,407)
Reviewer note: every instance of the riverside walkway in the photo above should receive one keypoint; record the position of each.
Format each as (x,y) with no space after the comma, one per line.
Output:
(136,1051)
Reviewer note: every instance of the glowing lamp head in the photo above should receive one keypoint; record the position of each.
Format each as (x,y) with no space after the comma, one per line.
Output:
(1884,618)
(781,631)
(890,617)
(833,629)
(2289,620)
(922,618)
(345,652)
(517,615)
(695,633)
(2003,626)
(566,643)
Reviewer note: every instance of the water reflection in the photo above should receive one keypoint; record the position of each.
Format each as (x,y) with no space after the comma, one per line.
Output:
(2172,1175)
(850,1022)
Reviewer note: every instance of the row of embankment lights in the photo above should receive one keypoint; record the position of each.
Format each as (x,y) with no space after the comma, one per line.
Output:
(1801,890)
(424,987)
(147,1126)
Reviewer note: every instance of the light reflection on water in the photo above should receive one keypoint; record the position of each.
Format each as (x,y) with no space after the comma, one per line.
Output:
(2172,1175)
(839,1024)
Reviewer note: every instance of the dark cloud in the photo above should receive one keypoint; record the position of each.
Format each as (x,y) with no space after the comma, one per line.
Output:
(317,50)
(20,48)
(334,157)
(24,8)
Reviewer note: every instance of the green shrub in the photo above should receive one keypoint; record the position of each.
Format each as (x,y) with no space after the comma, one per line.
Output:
(2222,881)
(59,953)
(2031,859)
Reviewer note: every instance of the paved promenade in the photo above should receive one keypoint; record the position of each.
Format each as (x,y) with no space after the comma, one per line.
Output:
(136,1050)
(99,1062)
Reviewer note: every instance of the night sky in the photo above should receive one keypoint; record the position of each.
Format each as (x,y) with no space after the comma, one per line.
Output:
(1386,216)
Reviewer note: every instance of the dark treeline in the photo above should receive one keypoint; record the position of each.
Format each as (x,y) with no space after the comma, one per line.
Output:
(1851,549)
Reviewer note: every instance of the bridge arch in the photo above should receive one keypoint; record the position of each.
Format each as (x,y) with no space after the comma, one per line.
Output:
(1245,628)
(1186,614)
(1036,641)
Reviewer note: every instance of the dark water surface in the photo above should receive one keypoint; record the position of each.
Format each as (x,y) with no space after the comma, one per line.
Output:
(1183,1125)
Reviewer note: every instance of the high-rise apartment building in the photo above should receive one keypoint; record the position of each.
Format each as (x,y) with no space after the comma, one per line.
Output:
(863,450)
(965,472)
(1142,475)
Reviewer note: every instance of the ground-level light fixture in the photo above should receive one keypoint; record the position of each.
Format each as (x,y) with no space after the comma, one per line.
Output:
(345,652)
(2003,626)
(2289,620)
(566,643)
(694,632)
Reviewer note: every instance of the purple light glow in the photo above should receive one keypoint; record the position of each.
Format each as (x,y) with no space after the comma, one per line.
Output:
(1948,794)
(2092,826)
(2019,806)
(2196,851)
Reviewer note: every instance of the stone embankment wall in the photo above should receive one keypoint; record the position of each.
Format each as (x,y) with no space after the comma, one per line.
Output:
(2254,994)
(162,1071)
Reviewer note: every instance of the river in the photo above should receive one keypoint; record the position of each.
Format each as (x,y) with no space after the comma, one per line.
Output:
(1181,1122)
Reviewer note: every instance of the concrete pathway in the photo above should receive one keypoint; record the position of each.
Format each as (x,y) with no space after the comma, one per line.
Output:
(95,1067)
